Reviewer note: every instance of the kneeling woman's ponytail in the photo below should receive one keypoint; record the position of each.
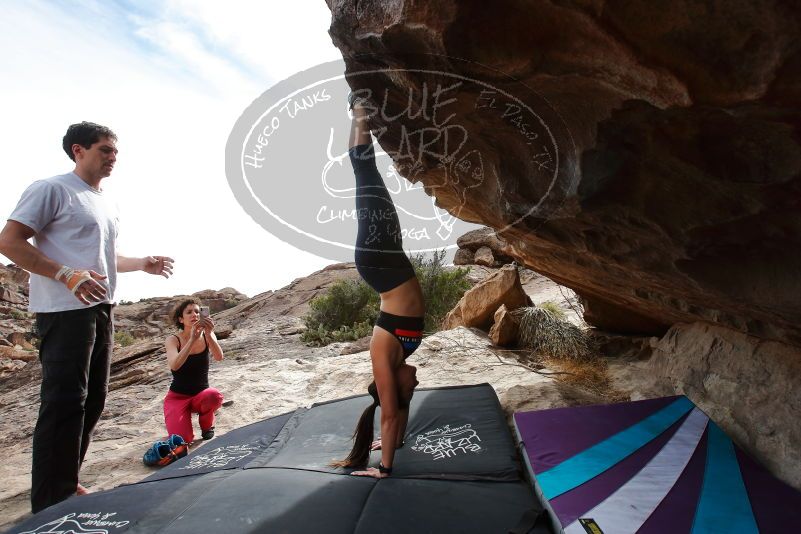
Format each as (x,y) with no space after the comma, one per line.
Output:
(363,435)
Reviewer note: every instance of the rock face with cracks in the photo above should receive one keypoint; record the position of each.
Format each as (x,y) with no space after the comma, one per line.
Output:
(646,155)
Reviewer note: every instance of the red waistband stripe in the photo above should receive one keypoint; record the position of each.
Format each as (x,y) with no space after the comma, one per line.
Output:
(409,333)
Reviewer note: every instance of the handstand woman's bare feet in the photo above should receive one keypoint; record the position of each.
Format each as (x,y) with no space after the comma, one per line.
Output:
(359,126)
(80,490)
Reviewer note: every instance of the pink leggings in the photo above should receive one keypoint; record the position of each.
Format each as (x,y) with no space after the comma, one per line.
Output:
(178,410)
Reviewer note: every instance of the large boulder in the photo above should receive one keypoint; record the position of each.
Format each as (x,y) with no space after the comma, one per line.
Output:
(649,159)
(478,305)
(747,385)
(483,256)
(505,327)
(463,256)
(482,247)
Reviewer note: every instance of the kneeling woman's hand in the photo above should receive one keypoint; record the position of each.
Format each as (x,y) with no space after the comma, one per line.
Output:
(207,324)
(370,472)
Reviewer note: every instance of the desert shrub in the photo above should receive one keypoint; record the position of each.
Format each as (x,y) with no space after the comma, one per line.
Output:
(347,311)
(18,315)
(123,338)
(442,288)
(554,308)
(320,335)
(544,333)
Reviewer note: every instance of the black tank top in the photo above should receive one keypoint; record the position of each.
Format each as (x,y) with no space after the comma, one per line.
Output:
(193,376)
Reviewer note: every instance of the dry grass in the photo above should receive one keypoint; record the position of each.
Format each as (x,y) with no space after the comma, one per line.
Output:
(566,348)
(554,308)
(589,375)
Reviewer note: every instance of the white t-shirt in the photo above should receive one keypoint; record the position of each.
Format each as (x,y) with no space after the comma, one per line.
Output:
(76,225)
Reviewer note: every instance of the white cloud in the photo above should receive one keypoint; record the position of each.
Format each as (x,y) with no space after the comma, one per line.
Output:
(171,81)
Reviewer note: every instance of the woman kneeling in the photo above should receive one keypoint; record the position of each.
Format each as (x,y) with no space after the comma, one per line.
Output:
(188,355)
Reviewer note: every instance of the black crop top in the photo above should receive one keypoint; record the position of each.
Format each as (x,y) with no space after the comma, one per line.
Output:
(193,376)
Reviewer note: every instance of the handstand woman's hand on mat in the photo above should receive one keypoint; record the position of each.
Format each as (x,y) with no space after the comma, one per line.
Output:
(370,472)
(383,264)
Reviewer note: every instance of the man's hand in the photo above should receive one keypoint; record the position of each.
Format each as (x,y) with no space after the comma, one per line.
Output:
(370,472)
(158,265)
(90,290)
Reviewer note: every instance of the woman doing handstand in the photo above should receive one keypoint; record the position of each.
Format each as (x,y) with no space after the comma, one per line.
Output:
(382,263)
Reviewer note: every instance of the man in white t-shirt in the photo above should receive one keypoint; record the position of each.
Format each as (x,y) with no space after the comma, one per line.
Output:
(73,263)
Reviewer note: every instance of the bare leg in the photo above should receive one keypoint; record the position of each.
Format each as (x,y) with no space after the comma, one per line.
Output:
(359,127)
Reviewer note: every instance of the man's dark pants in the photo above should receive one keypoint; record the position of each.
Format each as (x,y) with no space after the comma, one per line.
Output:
(75,352)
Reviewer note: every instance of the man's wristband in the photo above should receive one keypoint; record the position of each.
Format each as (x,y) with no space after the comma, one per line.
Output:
(64,274)
(384,470)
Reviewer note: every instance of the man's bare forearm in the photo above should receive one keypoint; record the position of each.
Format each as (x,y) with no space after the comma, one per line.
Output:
(127,265)
(26,256)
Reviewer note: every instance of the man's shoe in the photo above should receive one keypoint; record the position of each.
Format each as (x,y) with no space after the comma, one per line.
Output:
(207,434)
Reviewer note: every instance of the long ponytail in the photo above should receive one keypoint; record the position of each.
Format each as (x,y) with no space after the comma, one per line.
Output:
(363,435)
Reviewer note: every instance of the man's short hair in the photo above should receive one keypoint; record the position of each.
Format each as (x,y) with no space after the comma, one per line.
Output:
(85,134)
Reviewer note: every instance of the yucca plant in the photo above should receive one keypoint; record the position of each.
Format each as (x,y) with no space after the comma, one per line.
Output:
(543,332)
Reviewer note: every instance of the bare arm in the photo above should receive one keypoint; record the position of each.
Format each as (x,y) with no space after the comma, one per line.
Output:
(127,265)
(176,358)
(214,346)
(160,265)
(390,414)
(14,245)
(404,420)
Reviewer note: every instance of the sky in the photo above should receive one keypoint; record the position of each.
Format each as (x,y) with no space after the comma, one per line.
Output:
(170,78)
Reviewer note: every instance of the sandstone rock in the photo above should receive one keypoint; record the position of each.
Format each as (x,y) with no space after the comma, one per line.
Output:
(484,257)
(5,343)
(479,303)
(615,199)
(14,353)
(10,296)
(750,387)
(17,338)
(18,276)
(463,256)
(476,245)
(8,366)
(622,346)
(504,328)
(360,345)
(622,320)
(151,317)
(482,237)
